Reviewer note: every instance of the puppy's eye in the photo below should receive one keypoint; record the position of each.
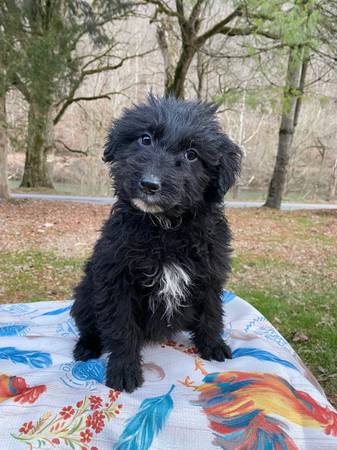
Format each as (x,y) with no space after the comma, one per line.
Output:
(145,139)
(191,155)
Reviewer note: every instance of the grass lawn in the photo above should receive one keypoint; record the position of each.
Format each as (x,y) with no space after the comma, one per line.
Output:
(285,264)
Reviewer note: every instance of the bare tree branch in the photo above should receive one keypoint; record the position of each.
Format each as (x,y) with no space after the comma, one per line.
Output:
(259,51)
(231,31)
(72,150)
(94,97)
(109,67)
(181,15)
(219,27)
(99,56)
(162,7)
(196,11)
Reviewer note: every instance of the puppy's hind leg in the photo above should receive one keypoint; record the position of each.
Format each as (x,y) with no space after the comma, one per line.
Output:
(89,344)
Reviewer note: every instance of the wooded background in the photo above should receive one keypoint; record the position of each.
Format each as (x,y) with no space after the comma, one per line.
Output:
(68,67)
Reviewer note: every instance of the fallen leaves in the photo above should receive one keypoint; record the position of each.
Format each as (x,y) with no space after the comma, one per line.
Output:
(68,229)
(298,336)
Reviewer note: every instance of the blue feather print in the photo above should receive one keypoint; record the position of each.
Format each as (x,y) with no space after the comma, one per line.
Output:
(146,423)
(54,312)
(31,358)
(227,296)
(262,355)
(17,309)
(93,369)
(13,330)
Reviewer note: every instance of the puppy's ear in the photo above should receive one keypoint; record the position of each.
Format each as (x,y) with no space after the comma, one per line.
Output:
(226,170)
(110,146)
(229,164)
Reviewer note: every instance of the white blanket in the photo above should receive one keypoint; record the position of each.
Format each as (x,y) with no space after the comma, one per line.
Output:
(264,398)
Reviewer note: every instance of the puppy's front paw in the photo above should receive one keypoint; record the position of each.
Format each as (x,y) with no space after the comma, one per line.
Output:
(219,351)
(127,377)
(82,352)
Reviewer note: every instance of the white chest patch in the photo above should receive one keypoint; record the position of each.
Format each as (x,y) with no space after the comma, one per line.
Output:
(174,284)
(152,209)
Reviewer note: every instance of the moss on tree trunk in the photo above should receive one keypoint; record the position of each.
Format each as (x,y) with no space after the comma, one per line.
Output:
(4,191)
(177,86)
(39,141)
(292,93)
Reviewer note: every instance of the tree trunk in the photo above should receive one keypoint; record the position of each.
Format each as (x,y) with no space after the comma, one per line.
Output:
(39,141)
(201,69)
(290,112)
(177,86)
(333,181)
(4,191)
(164,34)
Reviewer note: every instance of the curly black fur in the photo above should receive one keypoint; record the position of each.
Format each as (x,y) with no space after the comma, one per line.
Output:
(164,254)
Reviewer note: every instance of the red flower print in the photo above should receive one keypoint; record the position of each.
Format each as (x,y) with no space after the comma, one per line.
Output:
(85,418)
(98,421)
(30,395)
(182,347)
(85,436)
(67,412)
(88,421)
(191,350)
(95,402)
(26,427)
(118,409)
(113,395)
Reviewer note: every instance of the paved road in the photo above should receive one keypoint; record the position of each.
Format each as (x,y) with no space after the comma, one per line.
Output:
(111,200)
(67,198)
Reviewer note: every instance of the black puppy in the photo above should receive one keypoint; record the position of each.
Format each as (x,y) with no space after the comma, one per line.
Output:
(164,254)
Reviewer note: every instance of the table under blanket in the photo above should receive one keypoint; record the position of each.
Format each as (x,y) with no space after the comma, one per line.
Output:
(264,398)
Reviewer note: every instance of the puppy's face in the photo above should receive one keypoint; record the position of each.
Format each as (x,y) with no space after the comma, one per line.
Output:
(168,156)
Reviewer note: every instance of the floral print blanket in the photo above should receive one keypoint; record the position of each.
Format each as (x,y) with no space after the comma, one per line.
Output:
(264,398)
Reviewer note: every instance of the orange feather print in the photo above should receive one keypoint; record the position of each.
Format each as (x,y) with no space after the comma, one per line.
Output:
(17,389)
(242,408)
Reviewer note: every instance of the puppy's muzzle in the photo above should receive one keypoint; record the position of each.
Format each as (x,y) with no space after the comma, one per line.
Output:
(150,185)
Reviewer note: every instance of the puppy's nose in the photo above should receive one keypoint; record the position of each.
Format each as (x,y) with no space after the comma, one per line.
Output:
(150,185)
